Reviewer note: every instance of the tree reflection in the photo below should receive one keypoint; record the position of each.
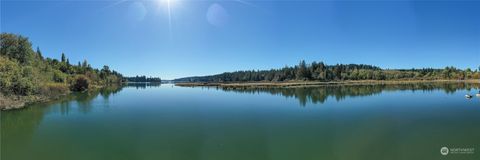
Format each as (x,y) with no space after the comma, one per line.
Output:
(319,94)
(18,126)
(141,85)
(84,100)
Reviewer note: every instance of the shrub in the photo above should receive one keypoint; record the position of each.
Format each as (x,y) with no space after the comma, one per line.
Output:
(15,79)
(23,86)
(80,83)
(8,71)
(59,77)
(53,89)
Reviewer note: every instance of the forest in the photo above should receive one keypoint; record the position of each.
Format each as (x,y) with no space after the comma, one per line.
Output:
(319,71)
(144,79)
(25,72)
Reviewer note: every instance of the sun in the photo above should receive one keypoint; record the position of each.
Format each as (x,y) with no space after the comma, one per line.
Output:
(166,3)
(169,1)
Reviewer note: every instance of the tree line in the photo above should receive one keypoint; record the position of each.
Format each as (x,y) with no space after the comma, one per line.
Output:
(319,71)
(24,71)
(143,79)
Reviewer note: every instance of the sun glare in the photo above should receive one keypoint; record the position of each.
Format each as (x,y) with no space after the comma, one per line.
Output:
(167,4)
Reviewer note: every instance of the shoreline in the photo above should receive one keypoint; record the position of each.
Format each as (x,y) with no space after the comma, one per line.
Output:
(14,102)
(314,83)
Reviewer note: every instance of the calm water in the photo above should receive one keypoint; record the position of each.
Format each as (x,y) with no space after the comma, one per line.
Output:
(181,123)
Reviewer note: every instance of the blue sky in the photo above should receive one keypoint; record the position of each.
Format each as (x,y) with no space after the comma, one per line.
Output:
(201,37)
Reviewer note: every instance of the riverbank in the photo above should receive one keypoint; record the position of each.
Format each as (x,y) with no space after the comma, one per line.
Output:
(314,83)
(49,94)
(8,102)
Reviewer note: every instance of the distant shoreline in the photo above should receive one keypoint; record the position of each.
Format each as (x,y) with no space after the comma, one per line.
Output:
(313,83)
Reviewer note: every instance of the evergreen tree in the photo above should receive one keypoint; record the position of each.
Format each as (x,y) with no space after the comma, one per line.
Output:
(39,53)
(85,64)
(63,57)
(302,72)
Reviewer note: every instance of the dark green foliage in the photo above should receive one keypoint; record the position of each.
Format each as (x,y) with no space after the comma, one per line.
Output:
(318,71)
(16,47)
(80,83)
(26,72)
(63,57)
(39,53)
(104,72)
(143,79)
(301,71)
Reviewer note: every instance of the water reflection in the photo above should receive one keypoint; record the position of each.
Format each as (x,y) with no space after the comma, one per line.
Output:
(166,129)
(35,112)
(18,126)
(320,94)
(141,85)
(84,101)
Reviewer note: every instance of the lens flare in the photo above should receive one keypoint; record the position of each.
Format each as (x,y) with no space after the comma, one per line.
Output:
(168,4)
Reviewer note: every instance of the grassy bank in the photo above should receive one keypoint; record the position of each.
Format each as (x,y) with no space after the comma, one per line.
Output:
(315,83)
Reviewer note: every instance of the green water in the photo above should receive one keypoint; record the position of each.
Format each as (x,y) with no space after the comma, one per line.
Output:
(166,122)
